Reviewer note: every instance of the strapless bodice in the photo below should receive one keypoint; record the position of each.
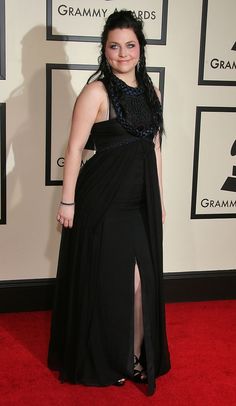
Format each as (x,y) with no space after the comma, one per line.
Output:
(110,134)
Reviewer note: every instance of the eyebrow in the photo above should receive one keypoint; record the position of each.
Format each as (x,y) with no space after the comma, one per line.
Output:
(128,42)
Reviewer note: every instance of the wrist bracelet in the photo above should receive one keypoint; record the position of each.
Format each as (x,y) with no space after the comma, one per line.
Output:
(67,204)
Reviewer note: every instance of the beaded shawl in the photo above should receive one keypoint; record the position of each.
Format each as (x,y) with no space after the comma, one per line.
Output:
(131,108)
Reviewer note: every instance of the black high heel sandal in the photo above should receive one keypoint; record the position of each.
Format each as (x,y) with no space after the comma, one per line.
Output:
(140,376)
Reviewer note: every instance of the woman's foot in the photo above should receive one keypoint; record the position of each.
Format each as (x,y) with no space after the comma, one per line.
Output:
(120,382)
(140,375)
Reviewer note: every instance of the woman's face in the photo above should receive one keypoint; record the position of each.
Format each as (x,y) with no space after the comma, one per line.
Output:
(122,50)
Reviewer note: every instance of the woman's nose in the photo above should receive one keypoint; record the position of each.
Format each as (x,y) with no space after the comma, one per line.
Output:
(123,52)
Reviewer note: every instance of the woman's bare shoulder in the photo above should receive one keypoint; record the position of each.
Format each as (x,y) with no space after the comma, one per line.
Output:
(94,89)
(90,100)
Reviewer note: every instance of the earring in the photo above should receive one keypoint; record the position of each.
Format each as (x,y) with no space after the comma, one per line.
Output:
(138,65)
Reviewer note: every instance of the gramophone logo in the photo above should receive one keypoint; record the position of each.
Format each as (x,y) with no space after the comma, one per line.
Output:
(217,64)
(230,183)
(214,171)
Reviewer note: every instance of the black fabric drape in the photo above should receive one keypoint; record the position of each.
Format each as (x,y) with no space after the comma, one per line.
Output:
(79,259)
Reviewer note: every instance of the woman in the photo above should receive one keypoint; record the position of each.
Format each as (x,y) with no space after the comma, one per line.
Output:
(108,320)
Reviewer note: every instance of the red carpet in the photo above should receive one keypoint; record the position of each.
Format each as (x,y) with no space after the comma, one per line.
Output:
(202,340)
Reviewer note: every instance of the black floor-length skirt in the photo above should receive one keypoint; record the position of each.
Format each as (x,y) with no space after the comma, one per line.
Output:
(117,222)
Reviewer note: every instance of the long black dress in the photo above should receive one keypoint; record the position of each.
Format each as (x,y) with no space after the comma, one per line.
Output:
(117,222)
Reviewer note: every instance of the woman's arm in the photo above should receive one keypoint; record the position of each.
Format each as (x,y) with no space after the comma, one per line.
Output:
(159,165)
(84,115)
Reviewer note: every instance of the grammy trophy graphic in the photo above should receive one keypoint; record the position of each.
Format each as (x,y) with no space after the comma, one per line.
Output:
(230,183)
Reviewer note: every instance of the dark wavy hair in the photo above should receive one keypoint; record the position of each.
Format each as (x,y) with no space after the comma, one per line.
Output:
(127,19)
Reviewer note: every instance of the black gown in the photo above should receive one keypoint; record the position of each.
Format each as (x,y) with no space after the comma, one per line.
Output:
(117,222)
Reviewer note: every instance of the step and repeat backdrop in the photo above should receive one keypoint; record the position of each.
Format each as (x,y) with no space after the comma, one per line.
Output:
(48,49)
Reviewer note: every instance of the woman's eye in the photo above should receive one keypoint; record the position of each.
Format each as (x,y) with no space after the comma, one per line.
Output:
(115,46)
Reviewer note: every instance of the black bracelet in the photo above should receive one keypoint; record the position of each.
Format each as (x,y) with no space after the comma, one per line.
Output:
(67,204)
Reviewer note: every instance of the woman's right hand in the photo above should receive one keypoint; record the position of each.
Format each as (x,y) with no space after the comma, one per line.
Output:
(65,215)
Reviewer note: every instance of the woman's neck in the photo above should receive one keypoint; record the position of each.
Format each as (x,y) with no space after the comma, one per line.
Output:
(129,79)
